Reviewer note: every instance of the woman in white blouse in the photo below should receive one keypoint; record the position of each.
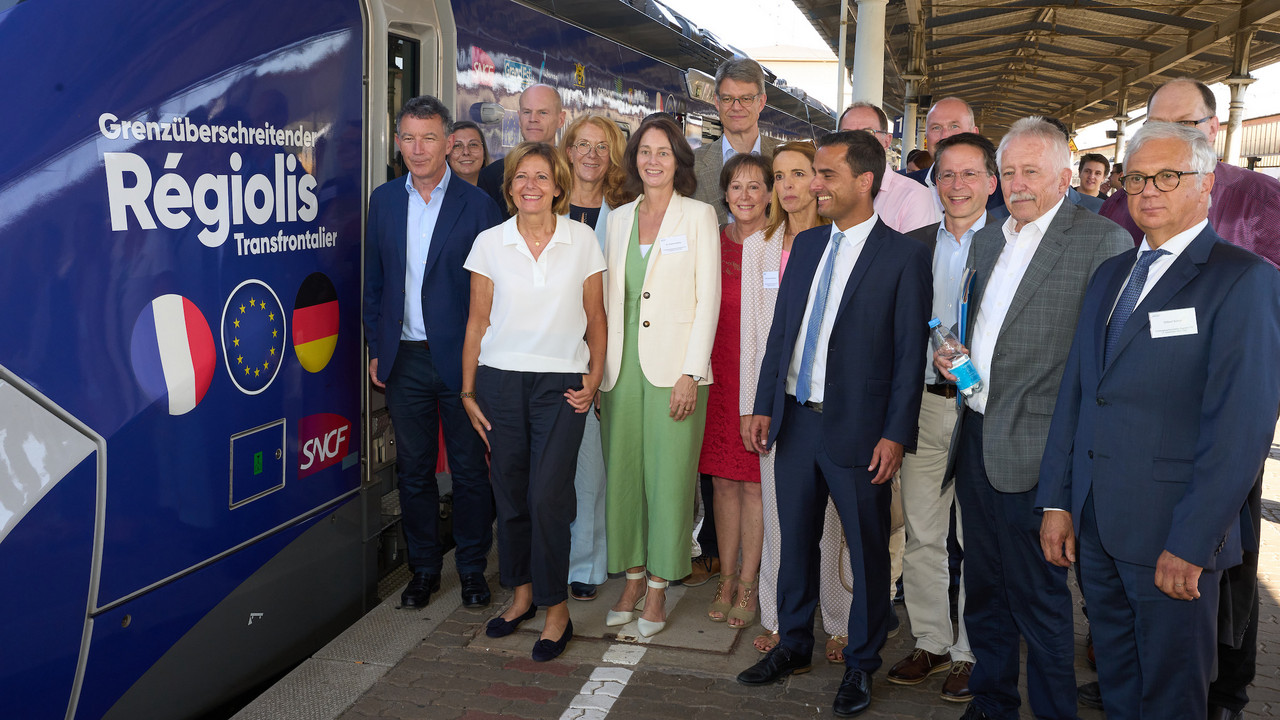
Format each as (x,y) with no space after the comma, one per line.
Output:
(528,379)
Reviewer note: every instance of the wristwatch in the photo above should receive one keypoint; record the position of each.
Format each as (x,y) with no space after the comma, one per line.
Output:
(695,378)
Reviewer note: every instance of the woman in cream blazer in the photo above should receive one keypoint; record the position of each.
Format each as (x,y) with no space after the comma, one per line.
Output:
(662,300)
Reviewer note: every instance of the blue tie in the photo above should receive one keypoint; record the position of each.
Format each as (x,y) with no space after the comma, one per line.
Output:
(1128,301)
(811,332)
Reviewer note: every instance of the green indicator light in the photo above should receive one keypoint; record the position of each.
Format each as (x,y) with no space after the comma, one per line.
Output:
(257,463)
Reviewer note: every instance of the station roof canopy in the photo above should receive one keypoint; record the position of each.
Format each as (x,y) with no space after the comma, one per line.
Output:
(1071,59)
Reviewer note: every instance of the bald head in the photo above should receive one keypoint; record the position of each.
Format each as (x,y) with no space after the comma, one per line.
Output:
(949,116)
(1185,101)
(541,114)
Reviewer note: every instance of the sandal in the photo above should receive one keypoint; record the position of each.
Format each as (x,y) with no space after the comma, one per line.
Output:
(720,604)
(765,642)
(835,649)
(739,616)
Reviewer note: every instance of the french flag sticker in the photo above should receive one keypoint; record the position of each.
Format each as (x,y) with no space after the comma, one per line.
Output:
(173,352)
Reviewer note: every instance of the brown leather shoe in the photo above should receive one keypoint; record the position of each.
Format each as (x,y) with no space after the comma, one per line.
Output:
(705,570)
(956,687)
(920,664)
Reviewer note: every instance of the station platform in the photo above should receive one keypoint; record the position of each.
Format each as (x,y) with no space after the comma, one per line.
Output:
(437,663)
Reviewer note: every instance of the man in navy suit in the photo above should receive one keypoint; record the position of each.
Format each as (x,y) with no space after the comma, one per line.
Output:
(839,393)
(1167,406)
(419,232)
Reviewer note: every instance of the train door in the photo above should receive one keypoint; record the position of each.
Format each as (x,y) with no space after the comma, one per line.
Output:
(411,51)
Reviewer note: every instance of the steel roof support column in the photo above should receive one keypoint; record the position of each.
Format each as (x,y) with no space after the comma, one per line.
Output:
(1122,119)
(1238,81)
(914,78)
(841,64)
(868,52)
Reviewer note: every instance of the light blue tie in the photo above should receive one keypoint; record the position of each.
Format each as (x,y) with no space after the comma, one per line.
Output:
(811,332)
(1128,301)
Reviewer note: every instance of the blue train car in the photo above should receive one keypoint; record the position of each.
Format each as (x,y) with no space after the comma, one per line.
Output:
(192,463)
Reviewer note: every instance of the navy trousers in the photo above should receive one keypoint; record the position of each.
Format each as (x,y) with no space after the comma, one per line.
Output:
(533,462)
(1011,591)
(806,476)
(1155,654)
(417,400)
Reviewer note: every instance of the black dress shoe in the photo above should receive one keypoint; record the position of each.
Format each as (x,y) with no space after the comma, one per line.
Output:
(582,591)
(854,695)
(1220,713)
(498,627)
(475,590)
(418,593)
(779,663)
(1089,695)
(973,713)
(545,650)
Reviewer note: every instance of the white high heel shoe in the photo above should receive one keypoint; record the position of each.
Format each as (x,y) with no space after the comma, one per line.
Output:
(622,617)
(649,628)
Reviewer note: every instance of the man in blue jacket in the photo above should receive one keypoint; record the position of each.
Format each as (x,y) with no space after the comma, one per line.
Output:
(420,230)
(1164,418)
(839,391)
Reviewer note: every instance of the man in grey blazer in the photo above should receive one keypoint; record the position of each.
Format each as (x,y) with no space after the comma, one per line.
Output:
(739,97)
(1030,278)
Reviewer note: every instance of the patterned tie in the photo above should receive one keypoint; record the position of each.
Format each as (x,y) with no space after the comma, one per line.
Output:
(811,332)
(1128,301)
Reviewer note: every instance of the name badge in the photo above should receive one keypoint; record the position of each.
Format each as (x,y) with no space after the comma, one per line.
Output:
(1171,323)
(770,279)
(674,244)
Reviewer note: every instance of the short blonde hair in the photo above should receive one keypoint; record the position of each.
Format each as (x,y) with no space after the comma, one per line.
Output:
(560,173)
(615,178)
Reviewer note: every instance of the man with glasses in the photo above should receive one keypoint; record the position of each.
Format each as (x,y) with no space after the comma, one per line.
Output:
(740,98)
(541,116)
(1245,211)
(966,178)
(1167,404)
(1030,275)
(952,116)
(902,204)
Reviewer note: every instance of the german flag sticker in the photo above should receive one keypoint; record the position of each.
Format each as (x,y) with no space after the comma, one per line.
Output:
(315,322)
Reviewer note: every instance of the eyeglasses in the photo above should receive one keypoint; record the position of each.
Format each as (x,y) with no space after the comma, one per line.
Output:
(472,146)
(743,101)
(584,148)
(967,177)
(874,131)
(1193,123)
(1165,180)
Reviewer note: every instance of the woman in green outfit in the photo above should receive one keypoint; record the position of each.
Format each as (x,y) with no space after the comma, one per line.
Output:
(662,297)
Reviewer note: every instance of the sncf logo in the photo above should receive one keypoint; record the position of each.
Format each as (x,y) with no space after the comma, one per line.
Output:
(323,440)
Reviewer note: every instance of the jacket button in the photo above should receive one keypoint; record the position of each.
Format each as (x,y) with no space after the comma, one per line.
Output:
(1102,401)
(1090,454)
(645,323)
(646,296)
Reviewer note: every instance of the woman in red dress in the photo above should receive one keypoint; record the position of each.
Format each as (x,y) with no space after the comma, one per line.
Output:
(746,181)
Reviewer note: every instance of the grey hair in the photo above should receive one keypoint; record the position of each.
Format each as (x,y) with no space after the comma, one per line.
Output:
(1037,127)
(740,69)
(881,117)
(1203,157)
(973,120)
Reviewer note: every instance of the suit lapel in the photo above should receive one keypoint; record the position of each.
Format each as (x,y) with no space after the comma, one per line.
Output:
(672,219)
(451,208)
(804,264)
(875,240)
(1183,270)
(985,252)
(1050,250)
(1110,289)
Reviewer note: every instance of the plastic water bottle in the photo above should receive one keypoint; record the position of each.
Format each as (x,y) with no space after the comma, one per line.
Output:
(967,380)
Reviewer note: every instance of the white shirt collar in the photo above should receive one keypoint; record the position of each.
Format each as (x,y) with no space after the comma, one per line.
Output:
(1041,223)
(727,151)
(1176,244)
(439,188)
(980,223)
(858,232)
(511,234)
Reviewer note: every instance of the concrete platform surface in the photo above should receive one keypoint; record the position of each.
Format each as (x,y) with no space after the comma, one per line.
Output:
(437,664)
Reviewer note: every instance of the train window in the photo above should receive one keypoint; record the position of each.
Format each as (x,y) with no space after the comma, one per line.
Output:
(403,83)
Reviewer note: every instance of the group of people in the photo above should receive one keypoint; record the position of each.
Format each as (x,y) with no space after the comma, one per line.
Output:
(758,313)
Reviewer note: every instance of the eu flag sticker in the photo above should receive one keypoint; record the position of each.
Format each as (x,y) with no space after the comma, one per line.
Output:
(253,336)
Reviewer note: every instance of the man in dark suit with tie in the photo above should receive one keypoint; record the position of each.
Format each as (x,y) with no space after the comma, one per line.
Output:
(1030,274)
(839,392)
(420,230)
(1168,403)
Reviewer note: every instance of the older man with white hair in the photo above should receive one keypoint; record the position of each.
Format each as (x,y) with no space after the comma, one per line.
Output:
(1030,277)
(1167,404)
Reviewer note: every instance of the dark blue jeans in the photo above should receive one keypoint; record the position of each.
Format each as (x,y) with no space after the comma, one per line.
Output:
(417,400)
